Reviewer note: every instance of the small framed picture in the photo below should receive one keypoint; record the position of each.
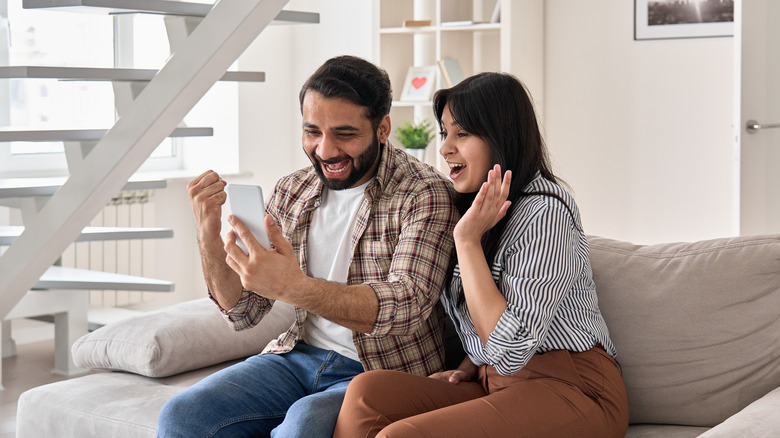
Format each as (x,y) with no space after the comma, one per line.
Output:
(419,84)
(661,19)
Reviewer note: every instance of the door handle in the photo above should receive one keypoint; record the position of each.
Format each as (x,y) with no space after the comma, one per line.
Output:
(752,126)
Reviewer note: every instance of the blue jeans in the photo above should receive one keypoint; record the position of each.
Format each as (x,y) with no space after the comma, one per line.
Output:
(290,395)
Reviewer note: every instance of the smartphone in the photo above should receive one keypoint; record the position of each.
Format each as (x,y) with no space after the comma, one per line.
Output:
(246,203)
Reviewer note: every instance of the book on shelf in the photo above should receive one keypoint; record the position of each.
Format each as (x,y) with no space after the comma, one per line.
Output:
(459,23)
(417,23)
(496,16)
(451,73)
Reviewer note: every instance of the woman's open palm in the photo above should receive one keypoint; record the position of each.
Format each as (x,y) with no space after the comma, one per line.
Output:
(489,206)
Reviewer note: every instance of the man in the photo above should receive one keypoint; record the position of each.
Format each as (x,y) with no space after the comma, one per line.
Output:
(361,244)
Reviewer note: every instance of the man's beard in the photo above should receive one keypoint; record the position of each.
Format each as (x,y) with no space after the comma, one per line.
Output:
(360,165)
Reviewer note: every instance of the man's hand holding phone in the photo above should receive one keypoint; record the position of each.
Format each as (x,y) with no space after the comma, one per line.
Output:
(256,249)
(246,203)
(273,273)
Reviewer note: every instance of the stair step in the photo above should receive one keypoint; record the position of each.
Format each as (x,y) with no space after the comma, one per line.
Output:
(36,134)
(100,316)
(58,277)
(96,316)
(165,7)
(26,187)
(107,74)
(90,234)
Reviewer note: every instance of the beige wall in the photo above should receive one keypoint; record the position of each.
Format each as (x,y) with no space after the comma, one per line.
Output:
(640,129)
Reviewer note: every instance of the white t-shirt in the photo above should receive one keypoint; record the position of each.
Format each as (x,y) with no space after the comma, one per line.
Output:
(329,254)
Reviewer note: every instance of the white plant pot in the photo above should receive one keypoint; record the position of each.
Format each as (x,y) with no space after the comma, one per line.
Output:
(417,153)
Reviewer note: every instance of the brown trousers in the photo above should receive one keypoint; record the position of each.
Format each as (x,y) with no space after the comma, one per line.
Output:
(557,394)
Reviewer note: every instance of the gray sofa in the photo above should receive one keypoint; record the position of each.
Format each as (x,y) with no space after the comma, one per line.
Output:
(697,327)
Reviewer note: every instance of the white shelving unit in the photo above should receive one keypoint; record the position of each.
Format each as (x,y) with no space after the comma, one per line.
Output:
(460,30)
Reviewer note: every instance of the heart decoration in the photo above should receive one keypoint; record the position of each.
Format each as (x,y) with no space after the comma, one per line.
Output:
(418,82)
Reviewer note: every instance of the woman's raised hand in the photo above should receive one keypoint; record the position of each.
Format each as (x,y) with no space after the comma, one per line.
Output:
(489,206)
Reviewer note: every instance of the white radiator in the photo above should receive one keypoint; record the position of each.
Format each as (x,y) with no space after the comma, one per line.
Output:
(131,257)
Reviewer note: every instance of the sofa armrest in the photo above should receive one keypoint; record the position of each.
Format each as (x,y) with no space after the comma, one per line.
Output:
(758,419)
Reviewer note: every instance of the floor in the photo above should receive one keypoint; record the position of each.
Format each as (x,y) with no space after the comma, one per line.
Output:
(31,367)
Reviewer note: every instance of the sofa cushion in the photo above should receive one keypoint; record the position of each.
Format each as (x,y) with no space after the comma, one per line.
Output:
(695,324)
(758,419)
(664,431)
(175,339)
(105,404)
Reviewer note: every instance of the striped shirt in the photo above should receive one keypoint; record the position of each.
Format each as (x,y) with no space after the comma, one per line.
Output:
(401,247)
(543,270)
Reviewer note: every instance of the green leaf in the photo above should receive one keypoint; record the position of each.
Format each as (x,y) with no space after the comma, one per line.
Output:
(415,136)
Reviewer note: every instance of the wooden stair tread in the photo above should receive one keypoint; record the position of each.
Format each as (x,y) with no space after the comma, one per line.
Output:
(90,234)
(58,277)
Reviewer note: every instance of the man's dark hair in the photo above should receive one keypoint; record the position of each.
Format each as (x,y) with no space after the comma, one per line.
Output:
(356,80)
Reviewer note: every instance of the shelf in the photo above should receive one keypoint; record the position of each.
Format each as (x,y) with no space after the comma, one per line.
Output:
(90,234)
(27,187)
(58,277)
(407,30)
(35,135)
(476,27)
(163,7)
(107,74)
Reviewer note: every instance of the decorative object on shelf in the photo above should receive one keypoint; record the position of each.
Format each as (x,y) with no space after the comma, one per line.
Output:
(417,23)
(496,16)
(415,137)
(659,20)
(418,85)
(451,73)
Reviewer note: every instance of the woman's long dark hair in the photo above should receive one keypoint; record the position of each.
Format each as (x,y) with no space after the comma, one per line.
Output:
(497,108)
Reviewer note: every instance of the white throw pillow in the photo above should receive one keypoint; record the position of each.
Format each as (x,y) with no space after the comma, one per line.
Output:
(175,339)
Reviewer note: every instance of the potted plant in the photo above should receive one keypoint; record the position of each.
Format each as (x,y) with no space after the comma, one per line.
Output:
(415,137)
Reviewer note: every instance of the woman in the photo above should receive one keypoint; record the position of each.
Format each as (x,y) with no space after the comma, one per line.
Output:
(539,358)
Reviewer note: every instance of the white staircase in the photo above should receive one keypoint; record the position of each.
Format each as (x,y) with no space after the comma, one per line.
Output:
(205,41)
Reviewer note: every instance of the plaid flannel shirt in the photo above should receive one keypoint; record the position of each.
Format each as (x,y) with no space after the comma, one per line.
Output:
(402,244)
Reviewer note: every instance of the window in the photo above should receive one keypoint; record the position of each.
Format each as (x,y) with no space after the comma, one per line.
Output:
(57,38)
(41,38)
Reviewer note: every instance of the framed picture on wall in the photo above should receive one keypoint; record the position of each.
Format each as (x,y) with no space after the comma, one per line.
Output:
(419,84)
(661,19)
